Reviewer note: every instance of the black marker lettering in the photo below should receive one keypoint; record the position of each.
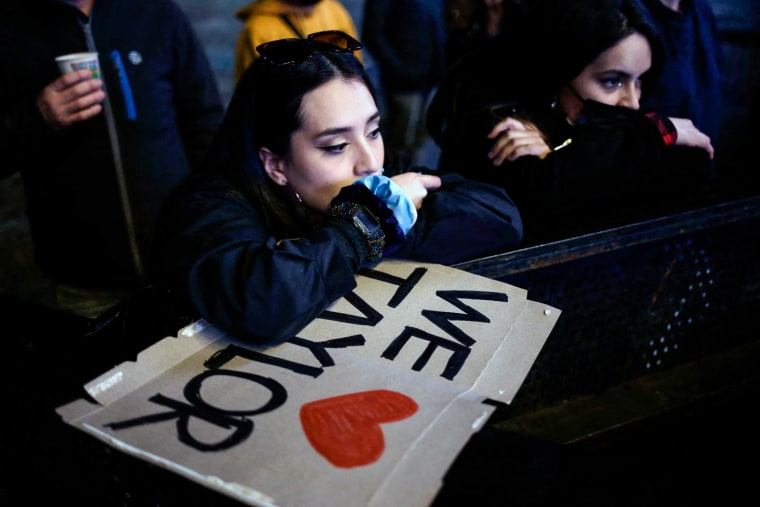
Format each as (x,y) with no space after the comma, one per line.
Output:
(405,284)
(443,319)
(454,364)
(227,419)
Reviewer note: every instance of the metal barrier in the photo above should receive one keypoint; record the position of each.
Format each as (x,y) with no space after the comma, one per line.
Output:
(638,302)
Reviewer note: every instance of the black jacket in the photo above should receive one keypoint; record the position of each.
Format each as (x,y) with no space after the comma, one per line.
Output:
(214,247)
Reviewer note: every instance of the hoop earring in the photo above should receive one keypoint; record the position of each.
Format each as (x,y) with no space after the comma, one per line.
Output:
(295,193)
(294,203)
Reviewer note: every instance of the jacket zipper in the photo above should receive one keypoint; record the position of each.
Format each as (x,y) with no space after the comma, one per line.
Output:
(117,160)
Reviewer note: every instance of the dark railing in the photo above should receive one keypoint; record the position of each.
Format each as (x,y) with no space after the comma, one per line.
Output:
(637,300)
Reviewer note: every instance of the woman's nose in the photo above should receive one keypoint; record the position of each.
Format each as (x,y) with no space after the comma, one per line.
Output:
(630,95)
(368,161)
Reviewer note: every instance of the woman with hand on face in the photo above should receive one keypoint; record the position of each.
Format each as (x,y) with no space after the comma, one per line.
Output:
(566,137)
(295,198)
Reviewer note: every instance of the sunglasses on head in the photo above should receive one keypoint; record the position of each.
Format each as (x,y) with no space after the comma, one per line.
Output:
(294,51)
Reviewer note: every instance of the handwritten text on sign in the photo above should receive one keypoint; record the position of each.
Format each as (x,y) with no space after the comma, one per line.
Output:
(369,404)
(457,306)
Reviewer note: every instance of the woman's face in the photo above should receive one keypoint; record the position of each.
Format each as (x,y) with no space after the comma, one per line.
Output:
(613,78)
(339,141)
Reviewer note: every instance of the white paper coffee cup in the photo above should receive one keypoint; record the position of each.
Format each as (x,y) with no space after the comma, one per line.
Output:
(76,61)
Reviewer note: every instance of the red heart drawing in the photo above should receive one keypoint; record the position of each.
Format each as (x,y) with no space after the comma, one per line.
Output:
(346,429)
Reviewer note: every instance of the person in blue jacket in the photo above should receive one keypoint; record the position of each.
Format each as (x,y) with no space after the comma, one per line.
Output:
(690,78)
(689,84)
(408,41)
(97,157)
(297,196)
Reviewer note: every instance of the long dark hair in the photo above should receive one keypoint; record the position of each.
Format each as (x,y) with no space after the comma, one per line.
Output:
(264,112)
(545,44)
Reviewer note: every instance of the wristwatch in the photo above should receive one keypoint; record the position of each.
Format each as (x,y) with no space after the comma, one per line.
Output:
(365,222)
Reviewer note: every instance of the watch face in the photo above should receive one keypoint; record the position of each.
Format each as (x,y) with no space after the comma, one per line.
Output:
(367,223)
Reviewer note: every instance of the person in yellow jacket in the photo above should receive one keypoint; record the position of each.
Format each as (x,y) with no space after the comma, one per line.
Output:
(268,20)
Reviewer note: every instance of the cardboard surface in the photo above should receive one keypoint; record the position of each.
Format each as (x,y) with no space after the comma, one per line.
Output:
(368,405)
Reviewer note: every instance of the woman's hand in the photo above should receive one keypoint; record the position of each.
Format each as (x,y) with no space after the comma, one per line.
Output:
(690,135)
(416,186)
(514,139)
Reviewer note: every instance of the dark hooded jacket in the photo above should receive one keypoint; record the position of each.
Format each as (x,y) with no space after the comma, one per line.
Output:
(216,248)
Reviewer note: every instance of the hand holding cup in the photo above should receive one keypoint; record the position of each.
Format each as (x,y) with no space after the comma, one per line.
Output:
(76,95)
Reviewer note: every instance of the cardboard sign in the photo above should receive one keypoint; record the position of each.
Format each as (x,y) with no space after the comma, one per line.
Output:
(368,405)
